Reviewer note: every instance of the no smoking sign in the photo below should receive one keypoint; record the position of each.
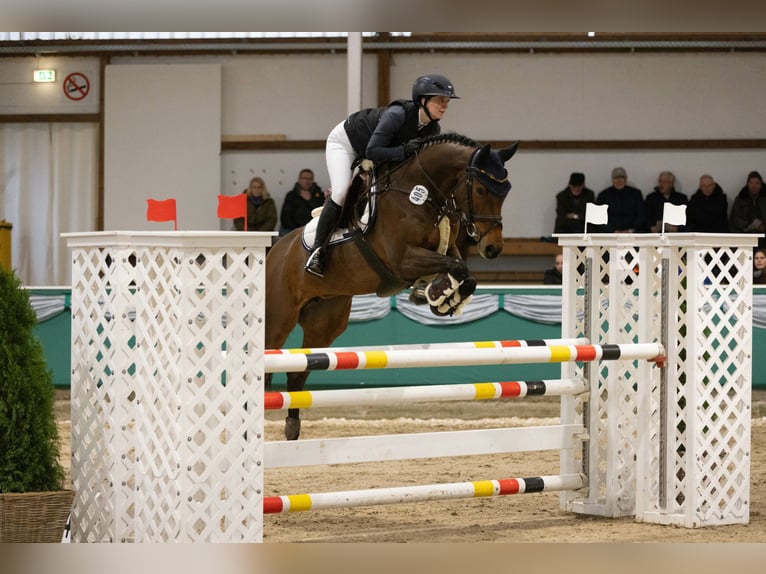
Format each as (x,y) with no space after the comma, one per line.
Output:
(76,86)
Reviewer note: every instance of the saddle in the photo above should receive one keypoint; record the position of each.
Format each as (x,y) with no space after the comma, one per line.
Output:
(343,233)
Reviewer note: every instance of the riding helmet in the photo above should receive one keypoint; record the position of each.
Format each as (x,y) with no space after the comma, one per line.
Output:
(432,85)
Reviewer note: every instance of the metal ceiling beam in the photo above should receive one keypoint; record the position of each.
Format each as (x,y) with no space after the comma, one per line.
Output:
(134,47)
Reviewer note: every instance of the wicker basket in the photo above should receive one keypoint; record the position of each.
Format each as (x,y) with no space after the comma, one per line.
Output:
(34,516)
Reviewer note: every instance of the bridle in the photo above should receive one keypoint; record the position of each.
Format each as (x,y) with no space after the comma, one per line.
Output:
(449,206)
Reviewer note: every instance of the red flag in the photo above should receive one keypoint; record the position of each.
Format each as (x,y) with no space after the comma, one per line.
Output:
(162,210)
(232,206)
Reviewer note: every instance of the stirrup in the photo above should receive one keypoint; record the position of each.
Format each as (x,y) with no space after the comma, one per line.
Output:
(315,265)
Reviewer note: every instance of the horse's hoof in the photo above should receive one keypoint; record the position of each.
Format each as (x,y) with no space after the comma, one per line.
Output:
(292,428)
(440,288)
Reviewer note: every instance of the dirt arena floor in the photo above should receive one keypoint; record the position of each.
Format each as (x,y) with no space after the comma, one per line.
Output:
(515,518)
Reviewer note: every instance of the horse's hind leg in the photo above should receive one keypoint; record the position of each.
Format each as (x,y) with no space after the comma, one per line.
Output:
(322,321)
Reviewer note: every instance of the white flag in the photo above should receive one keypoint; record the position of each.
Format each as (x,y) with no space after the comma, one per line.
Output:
(597,214)
(673,215)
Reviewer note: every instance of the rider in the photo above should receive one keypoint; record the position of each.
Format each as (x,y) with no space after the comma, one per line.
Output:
(388,134)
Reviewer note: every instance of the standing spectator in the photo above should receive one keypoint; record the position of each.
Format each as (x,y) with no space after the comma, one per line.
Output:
(626,204)
(300,201)
(553,276)
(570,205)
(664,192)
(261,209)
(759,266)
(748,213)
(707,209)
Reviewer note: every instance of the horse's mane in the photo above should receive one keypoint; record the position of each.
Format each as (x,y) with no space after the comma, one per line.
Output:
(450,137)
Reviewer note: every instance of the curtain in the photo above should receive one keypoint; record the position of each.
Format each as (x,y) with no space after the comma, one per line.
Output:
(48,186)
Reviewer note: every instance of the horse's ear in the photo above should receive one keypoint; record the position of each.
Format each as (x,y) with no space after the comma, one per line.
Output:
(482,155)
(507,153)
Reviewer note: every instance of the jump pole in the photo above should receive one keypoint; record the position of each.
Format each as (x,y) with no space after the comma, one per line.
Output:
(424,493)
(443,357)
(423,393)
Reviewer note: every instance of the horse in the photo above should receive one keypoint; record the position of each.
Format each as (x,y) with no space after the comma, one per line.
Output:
(427,210)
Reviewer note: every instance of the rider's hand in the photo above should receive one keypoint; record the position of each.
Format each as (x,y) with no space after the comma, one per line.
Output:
(411,146)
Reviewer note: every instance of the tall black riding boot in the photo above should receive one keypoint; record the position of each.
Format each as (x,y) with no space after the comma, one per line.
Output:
(328,219)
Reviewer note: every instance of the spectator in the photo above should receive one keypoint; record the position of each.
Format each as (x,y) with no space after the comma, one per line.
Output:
(707,209)
(300,201)
(748,213)
(261,209)
(664,192)
(759,266)
(570,205)
(553,276)
(626,204)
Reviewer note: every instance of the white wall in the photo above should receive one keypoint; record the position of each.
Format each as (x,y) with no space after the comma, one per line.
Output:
(162,140)
(504,97)
(20,95)
(526,97)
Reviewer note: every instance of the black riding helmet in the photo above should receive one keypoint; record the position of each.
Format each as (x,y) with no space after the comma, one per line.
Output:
(432,85)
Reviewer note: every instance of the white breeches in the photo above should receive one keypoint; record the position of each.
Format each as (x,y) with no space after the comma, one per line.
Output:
(340,157)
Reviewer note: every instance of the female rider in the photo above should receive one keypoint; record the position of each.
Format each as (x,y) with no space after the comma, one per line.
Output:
(388,134)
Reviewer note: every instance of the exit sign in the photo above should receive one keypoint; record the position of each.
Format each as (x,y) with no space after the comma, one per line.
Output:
(45,75)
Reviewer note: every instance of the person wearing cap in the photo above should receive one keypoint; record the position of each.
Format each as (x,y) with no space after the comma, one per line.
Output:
(388,134)
(654,206)
(570,205)
(626,204)
(748,212)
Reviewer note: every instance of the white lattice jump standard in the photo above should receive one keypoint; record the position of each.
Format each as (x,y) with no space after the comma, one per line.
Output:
(671,445)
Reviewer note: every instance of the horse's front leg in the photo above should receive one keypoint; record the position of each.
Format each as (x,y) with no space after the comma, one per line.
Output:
(452,287)
(295,382)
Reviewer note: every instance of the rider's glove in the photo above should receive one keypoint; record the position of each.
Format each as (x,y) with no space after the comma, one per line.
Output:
(411,146)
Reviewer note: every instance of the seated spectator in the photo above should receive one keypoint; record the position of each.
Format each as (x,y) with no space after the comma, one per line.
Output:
(553,276)
(261,209)
(626,204)
(759,266)
(748,213)
(664,192)
(300,201)
(708,208)
(570,205)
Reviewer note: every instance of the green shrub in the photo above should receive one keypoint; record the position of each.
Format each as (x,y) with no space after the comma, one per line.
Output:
(29,448)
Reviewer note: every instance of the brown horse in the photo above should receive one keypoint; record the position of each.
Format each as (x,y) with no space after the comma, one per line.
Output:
(452,180)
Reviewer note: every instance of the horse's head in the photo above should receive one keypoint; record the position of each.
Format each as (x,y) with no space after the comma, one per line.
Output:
(486,190)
